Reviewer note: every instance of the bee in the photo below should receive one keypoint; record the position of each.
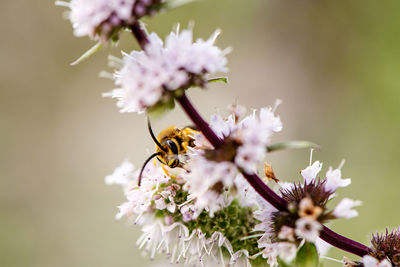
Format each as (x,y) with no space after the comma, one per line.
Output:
(171,144)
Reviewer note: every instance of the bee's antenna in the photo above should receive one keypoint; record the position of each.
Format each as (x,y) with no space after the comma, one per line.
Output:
(144,165)
(153,136)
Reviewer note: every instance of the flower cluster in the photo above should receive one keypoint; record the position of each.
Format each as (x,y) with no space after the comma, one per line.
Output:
(306,211)
(214,171)
(206,212)
(150,79)
(172,224)
(104,18)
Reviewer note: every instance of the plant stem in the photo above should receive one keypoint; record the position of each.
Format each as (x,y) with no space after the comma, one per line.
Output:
(139,34)
(200,123)
(261,188)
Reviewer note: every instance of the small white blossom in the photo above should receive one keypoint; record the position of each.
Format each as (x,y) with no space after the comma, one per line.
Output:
(310,173)
(248,157)
(287,251)
(253,134)
(308,210)
(345,208)
(270,252)
(334,180)
(240,259)
(188,212)
(222,127)
(122,175)
(263,214)
(245,192)
(206,182)
(308,229)
(370,261)
(146,76)
(88,15)
(237,110)
(171,207)
(160,204)
(322,246)
(286,233)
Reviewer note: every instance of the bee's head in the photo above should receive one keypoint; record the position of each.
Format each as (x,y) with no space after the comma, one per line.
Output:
(169,153)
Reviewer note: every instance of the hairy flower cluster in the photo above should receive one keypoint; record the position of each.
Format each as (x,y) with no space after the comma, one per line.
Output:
(306,212)
(104,18)
(152,78)
(249,136)
(385,250)
(215,171)
(172,224)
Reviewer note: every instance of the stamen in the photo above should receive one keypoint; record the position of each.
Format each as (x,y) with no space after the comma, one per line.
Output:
(276,104)
(311,152)
(251,236)
(341,164)
(332,259)
(106,75)
(63,3)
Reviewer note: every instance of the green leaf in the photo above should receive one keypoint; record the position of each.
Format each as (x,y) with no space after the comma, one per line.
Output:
(307,255)
(93,50)
(170,4)
(221,79)
(292,145)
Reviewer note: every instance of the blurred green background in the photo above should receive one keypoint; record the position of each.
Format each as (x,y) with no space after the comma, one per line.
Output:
(335,65)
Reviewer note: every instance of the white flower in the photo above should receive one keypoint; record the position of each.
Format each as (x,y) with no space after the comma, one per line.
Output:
(122,175)
(171,207)
(287,251)
(245,192)
(237,110)
(370,261)
(286,233)
(334,180)
(146,77)
(160,204)
(222,127)
(139,198)
(257,130)
(270,252)
(263,214)
(345,208)
(310,173)
(248,157)
(269,120)
(188,212)
(307,209)
(88,15)
(308,229)
(157,237)
(322,246)
(240,259)
(206,182)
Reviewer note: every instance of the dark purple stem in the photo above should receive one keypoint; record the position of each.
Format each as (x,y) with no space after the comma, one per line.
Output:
(261,188)
(200,123)
(139,34)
